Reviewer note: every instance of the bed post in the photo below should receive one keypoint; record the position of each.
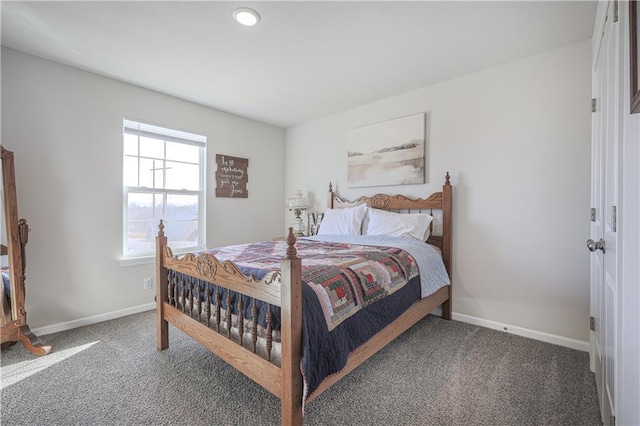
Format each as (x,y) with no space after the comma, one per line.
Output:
(161,290)
(447,204)
(330,196)
(291,335)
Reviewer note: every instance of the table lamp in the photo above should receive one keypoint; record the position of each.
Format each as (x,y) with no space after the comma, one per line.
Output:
(297,203)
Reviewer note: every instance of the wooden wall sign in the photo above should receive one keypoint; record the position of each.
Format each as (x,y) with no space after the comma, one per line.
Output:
(231,176)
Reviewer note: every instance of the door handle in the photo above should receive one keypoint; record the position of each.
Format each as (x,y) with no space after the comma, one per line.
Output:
(595,245)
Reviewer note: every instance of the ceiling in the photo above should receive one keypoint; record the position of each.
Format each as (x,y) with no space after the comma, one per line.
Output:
(304,60)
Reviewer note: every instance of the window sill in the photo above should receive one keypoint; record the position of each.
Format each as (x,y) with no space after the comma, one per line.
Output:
(134,261)
(151,258)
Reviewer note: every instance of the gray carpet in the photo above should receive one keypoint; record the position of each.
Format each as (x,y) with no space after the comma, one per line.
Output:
(437,373)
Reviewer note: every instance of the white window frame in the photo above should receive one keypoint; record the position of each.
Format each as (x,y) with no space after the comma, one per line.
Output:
(166,134)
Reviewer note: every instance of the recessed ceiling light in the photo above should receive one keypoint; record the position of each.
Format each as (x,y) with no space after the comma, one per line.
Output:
(246,16)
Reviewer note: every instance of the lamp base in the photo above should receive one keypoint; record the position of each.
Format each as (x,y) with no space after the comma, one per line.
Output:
(298,224)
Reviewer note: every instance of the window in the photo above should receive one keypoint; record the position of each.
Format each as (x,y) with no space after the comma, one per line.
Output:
(163,178)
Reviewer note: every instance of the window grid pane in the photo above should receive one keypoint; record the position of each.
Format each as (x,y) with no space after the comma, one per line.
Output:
(182,176)
(130,168)
(151,147)
(130,145)
(183,153)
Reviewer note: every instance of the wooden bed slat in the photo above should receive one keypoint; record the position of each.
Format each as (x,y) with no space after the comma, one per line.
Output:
(254,326)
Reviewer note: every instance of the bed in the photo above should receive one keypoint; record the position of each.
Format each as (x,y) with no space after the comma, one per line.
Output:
(269,318)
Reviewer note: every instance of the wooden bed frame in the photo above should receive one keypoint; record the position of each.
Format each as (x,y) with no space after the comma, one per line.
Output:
(15,329)
(284,290)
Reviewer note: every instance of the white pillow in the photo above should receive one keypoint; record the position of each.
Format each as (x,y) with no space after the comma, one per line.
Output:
(382,222)
(347,221)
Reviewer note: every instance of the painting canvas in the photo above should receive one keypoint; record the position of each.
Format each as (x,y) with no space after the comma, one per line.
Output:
(387,153)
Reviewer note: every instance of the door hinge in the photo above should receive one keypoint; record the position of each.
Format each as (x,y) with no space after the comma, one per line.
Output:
(614,218)
(592,324)
(593,214)
(615,11)
(594,105)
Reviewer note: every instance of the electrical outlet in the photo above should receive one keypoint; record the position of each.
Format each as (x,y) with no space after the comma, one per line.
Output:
(147,283)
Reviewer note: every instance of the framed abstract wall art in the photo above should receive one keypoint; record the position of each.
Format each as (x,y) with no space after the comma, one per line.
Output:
(387,153)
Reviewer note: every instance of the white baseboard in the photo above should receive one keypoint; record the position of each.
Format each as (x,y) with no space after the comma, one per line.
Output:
(63,326)
(525,332)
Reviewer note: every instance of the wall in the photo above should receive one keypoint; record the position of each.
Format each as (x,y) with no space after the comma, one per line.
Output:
(516,140)
(65,127)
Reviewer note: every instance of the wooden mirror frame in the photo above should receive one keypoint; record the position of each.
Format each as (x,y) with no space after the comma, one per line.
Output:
(17,329)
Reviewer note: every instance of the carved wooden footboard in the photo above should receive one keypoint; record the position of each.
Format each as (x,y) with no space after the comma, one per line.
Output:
(194,294)
(282,289)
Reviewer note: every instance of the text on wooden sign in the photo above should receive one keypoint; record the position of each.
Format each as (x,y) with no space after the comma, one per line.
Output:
(231,176)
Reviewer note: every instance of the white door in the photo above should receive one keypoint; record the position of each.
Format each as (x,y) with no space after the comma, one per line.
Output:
(597,261)
(604,194)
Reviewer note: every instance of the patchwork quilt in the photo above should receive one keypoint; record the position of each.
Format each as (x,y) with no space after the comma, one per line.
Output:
(345,277)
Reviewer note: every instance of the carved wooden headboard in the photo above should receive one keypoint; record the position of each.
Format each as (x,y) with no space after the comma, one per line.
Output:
(439,201)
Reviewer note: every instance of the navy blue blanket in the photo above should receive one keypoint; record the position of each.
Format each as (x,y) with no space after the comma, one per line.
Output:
(325,352)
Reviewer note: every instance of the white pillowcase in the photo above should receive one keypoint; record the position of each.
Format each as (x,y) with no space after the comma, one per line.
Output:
(382,222)
(347,221)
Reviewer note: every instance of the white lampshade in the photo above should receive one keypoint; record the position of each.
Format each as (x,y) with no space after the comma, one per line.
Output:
(297,201)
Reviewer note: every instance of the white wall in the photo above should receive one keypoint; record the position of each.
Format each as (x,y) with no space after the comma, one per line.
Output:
(65,127)
(516,140)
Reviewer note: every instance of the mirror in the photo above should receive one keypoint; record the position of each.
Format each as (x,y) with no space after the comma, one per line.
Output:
(14,317)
